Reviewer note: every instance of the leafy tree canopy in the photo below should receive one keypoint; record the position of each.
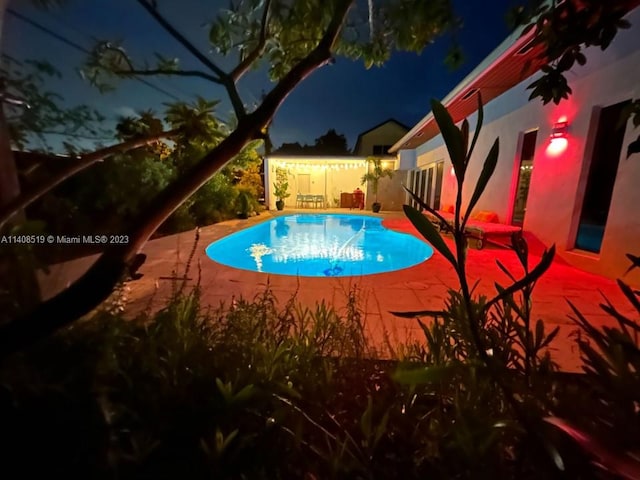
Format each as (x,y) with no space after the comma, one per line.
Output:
(330,143)
(565,29)
(278,34)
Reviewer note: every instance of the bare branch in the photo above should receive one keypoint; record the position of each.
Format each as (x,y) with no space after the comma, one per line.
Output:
(225,79)
(371,32)
(178,73)
(246,63)
(83,162)
(181,38)
(318,57)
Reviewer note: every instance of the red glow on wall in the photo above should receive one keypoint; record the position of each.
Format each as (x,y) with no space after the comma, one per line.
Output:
(558,142)
(565,112)
(557,146)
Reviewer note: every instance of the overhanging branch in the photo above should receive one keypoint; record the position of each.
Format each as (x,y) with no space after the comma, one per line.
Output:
(97,283)
(225,79)
(177,73)
(83,162)
(246,63)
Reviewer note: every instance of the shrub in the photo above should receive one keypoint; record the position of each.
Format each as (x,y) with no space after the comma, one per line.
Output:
(214,202)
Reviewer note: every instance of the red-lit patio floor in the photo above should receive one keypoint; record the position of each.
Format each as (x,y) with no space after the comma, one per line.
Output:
(423,287)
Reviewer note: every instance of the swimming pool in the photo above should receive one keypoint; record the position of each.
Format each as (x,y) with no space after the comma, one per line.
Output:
(327,245)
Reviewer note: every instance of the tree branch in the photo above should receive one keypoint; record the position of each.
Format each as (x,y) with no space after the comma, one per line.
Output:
(83,161)
(178,73)
(97,283)
(246,63)
(225,79)
(371,32)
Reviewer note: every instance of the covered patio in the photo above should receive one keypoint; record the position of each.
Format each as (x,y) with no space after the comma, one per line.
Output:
(317,181)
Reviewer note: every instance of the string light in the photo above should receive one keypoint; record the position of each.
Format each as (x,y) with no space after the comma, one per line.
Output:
(317,167)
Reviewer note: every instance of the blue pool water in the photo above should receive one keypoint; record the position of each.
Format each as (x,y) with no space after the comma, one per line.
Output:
(320,246)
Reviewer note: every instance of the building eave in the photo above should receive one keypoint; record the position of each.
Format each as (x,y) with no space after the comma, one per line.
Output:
(421,132)
(512,62)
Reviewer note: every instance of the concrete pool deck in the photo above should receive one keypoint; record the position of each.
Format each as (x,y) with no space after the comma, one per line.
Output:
(422,287)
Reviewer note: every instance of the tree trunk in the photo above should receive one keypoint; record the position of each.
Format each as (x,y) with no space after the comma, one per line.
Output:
(9,185)
(18,282)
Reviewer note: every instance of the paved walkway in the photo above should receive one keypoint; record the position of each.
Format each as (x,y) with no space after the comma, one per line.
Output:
(423,287)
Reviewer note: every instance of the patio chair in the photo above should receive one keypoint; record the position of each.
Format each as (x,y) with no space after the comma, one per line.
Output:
(307,199)
(318,201)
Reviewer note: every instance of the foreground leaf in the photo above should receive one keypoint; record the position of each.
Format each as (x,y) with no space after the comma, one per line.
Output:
(452,136)
(487,171)
(529,278)
(429,232)
(622,465)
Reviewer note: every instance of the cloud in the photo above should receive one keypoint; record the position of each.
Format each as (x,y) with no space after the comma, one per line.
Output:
(125,111)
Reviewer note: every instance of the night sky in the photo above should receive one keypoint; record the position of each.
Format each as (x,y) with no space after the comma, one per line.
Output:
(344,96)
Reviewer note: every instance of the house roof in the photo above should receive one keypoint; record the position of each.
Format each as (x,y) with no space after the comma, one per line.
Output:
(512,62)
(389,120)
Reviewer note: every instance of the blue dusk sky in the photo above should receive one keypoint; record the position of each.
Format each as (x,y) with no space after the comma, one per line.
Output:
(344,96)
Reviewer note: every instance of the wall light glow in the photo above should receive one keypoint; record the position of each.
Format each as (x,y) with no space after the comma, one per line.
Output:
(557,146)
(559,142)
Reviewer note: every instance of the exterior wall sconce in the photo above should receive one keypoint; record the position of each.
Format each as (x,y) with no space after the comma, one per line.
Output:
(560,129)
(558,142)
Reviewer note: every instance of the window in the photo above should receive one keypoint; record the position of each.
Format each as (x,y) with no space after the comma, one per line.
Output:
(381,149)
(525,167)
(427,184)
(601,178)
(413,179)
(423,183)
(438,187)
(427,197)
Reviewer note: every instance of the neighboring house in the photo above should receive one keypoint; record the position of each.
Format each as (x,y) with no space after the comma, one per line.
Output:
(562,171)
(379,139)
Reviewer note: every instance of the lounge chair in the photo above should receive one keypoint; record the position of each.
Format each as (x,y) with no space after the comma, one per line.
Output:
(482,227)
(446,213)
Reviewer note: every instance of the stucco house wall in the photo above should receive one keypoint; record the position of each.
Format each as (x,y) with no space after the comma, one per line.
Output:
(391,195)
(557,182)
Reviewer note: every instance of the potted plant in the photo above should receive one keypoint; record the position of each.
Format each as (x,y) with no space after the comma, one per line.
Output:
(280,187)
(374,173)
